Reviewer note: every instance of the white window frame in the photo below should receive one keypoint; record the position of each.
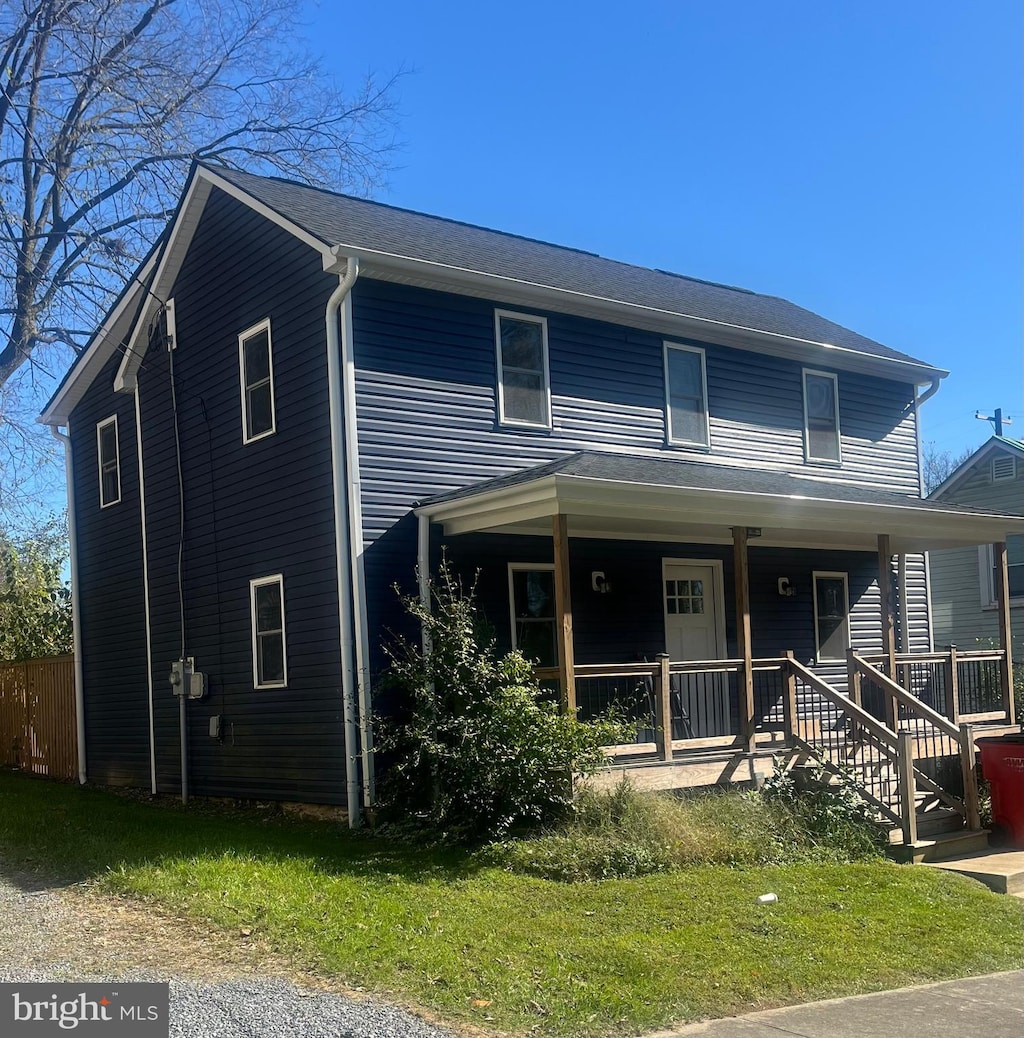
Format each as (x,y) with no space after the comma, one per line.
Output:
(831,375)
(830,575)
(678,441)
(528,567)
(258,582)
(243,337)
(529,319)
(986,579)
(100,426)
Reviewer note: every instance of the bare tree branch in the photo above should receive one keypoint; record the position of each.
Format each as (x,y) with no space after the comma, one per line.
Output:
(104,104)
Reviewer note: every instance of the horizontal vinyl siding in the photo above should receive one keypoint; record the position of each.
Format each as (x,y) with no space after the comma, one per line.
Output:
(112,613)
(427,413)
(251,510)
(959,616)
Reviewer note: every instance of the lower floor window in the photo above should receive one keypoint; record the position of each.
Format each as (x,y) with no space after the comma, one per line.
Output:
(269,655)
(532,603)
(831,616)
(1014,570)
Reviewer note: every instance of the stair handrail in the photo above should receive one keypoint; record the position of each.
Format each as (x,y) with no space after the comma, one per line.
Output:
(853,711)
(896,691)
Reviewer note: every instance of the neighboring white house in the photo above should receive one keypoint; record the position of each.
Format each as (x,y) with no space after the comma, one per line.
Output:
(963,579)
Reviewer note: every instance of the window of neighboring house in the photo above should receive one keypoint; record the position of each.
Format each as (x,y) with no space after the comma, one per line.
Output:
(831,616)
(524,395)
(1014,570)
(531,589)
(256,367)
(109,461)
(686,395)
(821,417)
(269,653)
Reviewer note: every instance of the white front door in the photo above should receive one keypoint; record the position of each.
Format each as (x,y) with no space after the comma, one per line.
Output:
(695,630)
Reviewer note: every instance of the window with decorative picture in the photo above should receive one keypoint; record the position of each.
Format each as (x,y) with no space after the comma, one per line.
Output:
(256,370)
(686,395)
(269,651)
(531,589)
(821,417)
(109,461)
(831,616)
(524,395)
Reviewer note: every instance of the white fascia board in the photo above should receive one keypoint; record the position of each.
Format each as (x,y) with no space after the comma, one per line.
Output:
(115,327)
(517,291)
(911,527)
(331,257)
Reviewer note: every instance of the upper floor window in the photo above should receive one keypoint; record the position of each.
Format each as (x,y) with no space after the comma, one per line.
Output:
(531,589)
(269,656)
(686,395)
(831,616)
(524,395)
(256,367)
(109,461)
(821,417)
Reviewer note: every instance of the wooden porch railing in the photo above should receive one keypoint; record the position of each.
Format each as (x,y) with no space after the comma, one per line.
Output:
(886,736)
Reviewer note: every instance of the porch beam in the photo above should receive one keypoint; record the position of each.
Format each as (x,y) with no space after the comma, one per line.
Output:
(741,563)
(563,613)
(888,620)
(1002,590)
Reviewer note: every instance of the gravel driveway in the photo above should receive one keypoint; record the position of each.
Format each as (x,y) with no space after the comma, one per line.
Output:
(219,985)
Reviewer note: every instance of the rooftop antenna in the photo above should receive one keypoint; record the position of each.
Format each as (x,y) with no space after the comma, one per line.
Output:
(996,418)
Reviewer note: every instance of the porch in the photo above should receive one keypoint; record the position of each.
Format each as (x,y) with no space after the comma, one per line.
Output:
(707,705)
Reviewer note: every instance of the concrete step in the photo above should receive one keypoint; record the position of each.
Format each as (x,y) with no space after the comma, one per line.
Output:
(941,846)
(1000,870)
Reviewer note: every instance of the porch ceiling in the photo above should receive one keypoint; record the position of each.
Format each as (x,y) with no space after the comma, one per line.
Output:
(642,498)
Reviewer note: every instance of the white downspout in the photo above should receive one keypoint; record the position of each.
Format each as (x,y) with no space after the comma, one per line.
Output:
(358,571)
(76,605)
(145,588)
(336,396)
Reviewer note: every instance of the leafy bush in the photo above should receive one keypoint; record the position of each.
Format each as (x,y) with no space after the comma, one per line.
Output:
(624,833)
(828,810)
(35,602)
(477,748)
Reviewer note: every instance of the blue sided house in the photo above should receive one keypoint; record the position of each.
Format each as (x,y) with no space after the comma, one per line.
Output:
(697,502)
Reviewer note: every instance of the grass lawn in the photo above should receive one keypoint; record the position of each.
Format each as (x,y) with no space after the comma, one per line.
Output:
(434,928)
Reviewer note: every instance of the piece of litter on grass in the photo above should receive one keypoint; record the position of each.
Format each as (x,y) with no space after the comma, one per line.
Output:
(767,899)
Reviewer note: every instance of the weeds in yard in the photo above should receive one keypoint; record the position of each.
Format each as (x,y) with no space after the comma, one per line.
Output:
(625,833)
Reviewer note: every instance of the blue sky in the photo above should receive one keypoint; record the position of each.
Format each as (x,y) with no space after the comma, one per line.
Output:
(861,159)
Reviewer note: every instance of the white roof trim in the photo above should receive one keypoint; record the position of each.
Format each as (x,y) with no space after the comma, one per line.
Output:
(991,446)
(103,343)
(167,262)
(519,291)
(911,527)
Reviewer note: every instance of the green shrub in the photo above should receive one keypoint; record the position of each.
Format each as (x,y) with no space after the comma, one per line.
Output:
(828,810)
(477,748)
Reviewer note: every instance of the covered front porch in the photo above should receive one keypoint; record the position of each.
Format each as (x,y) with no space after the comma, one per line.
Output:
(734,613)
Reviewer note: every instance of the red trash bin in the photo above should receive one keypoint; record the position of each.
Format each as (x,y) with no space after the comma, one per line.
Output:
(1002,764)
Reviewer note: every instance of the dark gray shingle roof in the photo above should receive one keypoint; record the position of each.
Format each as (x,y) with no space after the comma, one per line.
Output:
(626,468)
(338,219)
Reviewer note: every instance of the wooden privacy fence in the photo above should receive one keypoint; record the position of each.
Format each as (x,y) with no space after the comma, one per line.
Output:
(37,717)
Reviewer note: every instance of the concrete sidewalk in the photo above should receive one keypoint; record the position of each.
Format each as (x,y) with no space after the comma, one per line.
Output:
(991,1006)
